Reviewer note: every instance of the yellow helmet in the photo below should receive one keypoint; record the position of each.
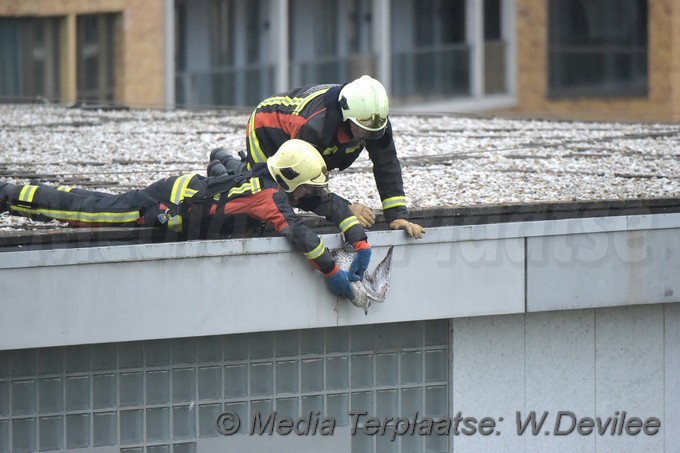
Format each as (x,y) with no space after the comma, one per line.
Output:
(296,162)
(364,102)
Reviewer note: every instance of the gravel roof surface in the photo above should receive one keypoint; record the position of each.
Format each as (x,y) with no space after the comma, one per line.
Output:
(447,160)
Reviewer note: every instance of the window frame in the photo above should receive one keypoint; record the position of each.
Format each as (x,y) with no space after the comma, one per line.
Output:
(605,83)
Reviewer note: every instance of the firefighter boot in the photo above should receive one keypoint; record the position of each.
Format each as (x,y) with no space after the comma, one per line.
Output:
(215,168)
(233,165)
(5,189)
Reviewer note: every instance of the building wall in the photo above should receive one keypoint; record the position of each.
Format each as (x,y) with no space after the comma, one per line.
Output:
(663,100)
(140,72)
(591,363)
(170,393)
(157,394)
(579,316)
(675,53)
(141,77)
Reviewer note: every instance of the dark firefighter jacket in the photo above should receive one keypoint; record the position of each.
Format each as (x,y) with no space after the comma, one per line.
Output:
(313,114)
(181,201)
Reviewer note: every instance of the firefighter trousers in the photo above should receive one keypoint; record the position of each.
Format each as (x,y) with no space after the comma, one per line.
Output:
(151,206)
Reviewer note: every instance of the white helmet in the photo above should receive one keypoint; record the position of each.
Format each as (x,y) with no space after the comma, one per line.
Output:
(364,102)
(296,162)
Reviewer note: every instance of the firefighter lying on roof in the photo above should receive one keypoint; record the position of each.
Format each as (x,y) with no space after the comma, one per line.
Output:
(295,177)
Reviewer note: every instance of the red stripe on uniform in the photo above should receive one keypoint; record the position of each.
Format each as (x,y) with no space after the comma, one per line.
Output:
(361,245)
(287,122)
(260,206)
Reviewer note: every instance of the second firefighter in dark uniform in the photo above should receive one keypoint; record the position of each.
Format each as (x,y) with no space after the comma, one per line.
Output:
(339,121)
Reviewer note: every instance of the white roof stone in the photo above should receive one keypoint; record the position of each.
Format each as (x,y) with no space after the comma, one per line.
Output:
(447,160)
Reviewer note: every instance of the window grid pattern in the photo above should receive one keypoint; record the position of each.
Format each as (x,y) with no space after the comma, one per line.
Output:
(594,52)
(164,395)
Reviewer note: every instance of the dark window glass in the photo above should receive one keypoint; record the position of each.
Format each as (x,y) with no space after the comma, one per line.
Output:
(597,48)
(180,35)
(439,22)
(423,22)
(451,21)
(95,54)
(222,28)
(359,25)
(431,58)
(495,49)
(492,20)
(254,21)
(330,42)
(313,34)
(29,58)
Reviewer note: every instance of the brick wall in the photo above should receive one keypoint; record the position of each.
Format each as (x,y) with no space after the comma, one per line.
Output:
(140,44)
(663,100)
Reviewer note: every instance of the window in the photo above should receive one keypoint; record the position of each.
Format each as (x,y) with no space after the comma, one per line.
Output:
(96,57)
(313,48)
(430,58)
(222,33)
(439,22)
(359,26)
(330,42)
(495,48)
(224,54)
(597,48)
(29,50)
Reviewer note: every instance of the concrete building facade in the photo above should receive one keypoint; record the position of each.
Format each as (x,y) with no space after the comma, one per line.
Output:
(554,335)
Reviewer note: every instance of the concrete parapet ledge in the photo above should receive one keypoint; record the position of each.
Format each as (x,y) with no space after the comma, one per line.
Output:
(105,292)
(59,237)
